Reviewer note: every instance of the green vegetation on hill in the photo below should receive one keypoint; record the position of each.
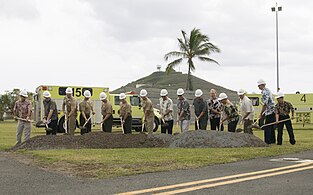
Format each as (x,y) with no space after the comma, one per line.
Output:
(172,81)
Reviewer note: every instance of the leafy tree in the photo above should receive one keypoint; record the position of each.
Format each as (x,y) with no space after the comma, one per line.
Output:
(7,101)
(197,45)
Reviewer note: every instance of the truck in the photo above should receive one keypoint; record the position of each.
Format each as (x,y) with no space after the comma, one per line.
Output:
(58,94)
(302,103)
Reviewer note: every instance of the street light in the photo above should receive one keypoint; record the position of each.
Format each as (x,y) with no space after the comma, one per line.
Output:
(277,9)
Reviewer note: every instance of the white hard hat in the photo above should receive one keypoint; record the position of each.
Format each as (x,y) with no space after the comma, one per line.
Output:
(241,92)
(87,94)
(122,96)
(24,93)
(69,90)
(261,82)
(46,94)
(143,93)
(279,95)
(163,92)
(222,96)
(103,96)
(198,93)
(180,91)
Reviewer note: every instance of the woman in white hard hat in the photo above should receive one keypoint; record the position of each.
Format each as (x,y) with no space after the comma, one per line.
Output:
(86,109)
(22,112)
(232,116)
(166,111)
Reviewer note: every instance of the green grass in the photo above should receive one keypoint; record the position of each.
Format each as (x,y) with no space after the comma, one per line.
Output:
(104,163)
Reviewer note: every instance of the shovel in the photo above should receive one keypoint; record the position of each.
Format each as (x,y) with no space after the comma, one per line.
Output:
(48,129)
(273,123)
(65,125)
(164,124)
(83,129)
(197,121)
(122,125)
(23,119)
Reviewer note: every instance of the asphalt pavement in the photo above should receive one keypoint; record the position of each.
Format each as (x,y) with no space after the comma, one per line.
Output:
(289,174)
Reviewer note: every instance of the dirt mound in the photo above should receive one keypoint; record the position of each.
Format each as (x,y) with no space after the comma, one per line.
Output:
(215,139)
(191,139)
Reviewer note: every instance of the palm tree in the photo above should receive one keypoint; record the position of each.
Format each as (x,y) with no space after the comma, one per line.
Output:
(197,45)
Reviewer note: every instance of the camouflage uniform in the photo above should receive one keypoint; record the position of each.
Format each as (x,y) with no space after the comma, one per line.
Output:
(106,108)
(147,107)
(71,106)
(125,108)
(85,107)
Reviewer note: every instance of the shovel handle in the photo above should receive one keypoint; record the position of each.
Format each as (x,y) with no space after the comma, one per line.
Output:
(87,121)
(273,123)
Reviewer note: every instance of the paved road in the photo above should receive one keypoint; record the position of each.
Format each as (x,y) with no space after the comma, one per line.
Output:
(18,178)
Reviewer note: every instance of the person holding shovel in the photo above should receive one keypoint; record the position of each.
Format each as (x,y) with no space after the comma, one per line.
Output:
(215,111)
(183,111)
(268,109)
(166,111)
(230,111)
(148,111)
(86,111)
(282,111)
(201,111)
(246,110)
(106,111)
(22,112)
(50,118)
(69,108)
(125,114)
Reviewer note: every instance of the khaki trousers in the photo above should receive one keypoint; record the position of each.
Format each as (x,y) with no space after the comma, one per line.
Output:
(72,124)
(23,126)
(149,124)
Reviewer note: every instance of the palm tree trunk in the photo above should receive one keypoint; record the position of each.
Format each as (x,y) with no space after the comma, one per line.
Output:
(189,81)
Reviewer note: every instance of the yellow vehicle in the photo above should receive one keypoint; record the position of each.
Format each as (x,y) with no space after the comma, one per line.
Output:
(137,112)
(302,103)
(58,94)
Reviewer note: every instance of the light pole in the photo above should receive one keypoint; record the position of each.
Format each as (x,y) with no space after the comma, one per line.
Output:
(277,9)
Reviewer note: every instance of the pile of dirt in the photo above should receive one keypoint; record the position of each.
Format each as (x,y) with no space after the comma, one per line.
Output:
(190,139)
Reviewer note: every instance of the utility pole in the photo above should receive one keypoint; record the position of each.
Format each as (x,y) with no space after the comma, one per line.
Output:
(276,9)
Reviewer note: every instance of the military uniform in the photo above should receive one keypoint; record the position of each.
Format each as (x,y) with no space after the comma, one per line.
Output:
(71,106)
(53,124)
(283,111)
(22,109)
(106,109)
(85,107)
(147,107)
(125,109)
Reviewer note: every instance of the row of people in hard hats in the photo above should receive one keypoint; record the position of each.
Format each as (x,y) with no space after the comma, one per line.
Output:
(216,109)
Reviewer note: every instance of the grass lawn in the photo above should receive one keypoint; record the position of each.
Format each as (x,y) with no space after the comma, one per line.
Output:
(104,163)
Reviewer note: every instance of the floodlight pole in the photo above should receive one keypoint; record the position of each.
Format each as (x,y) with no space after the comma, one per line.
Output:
(277,9)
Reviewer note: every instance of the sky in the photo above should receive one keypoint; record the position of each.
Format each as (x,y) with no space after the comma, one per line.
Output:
(109,43)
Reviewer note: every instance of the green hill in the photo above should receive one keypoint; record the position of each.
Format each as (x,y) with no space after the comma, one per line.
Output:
(159,80)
